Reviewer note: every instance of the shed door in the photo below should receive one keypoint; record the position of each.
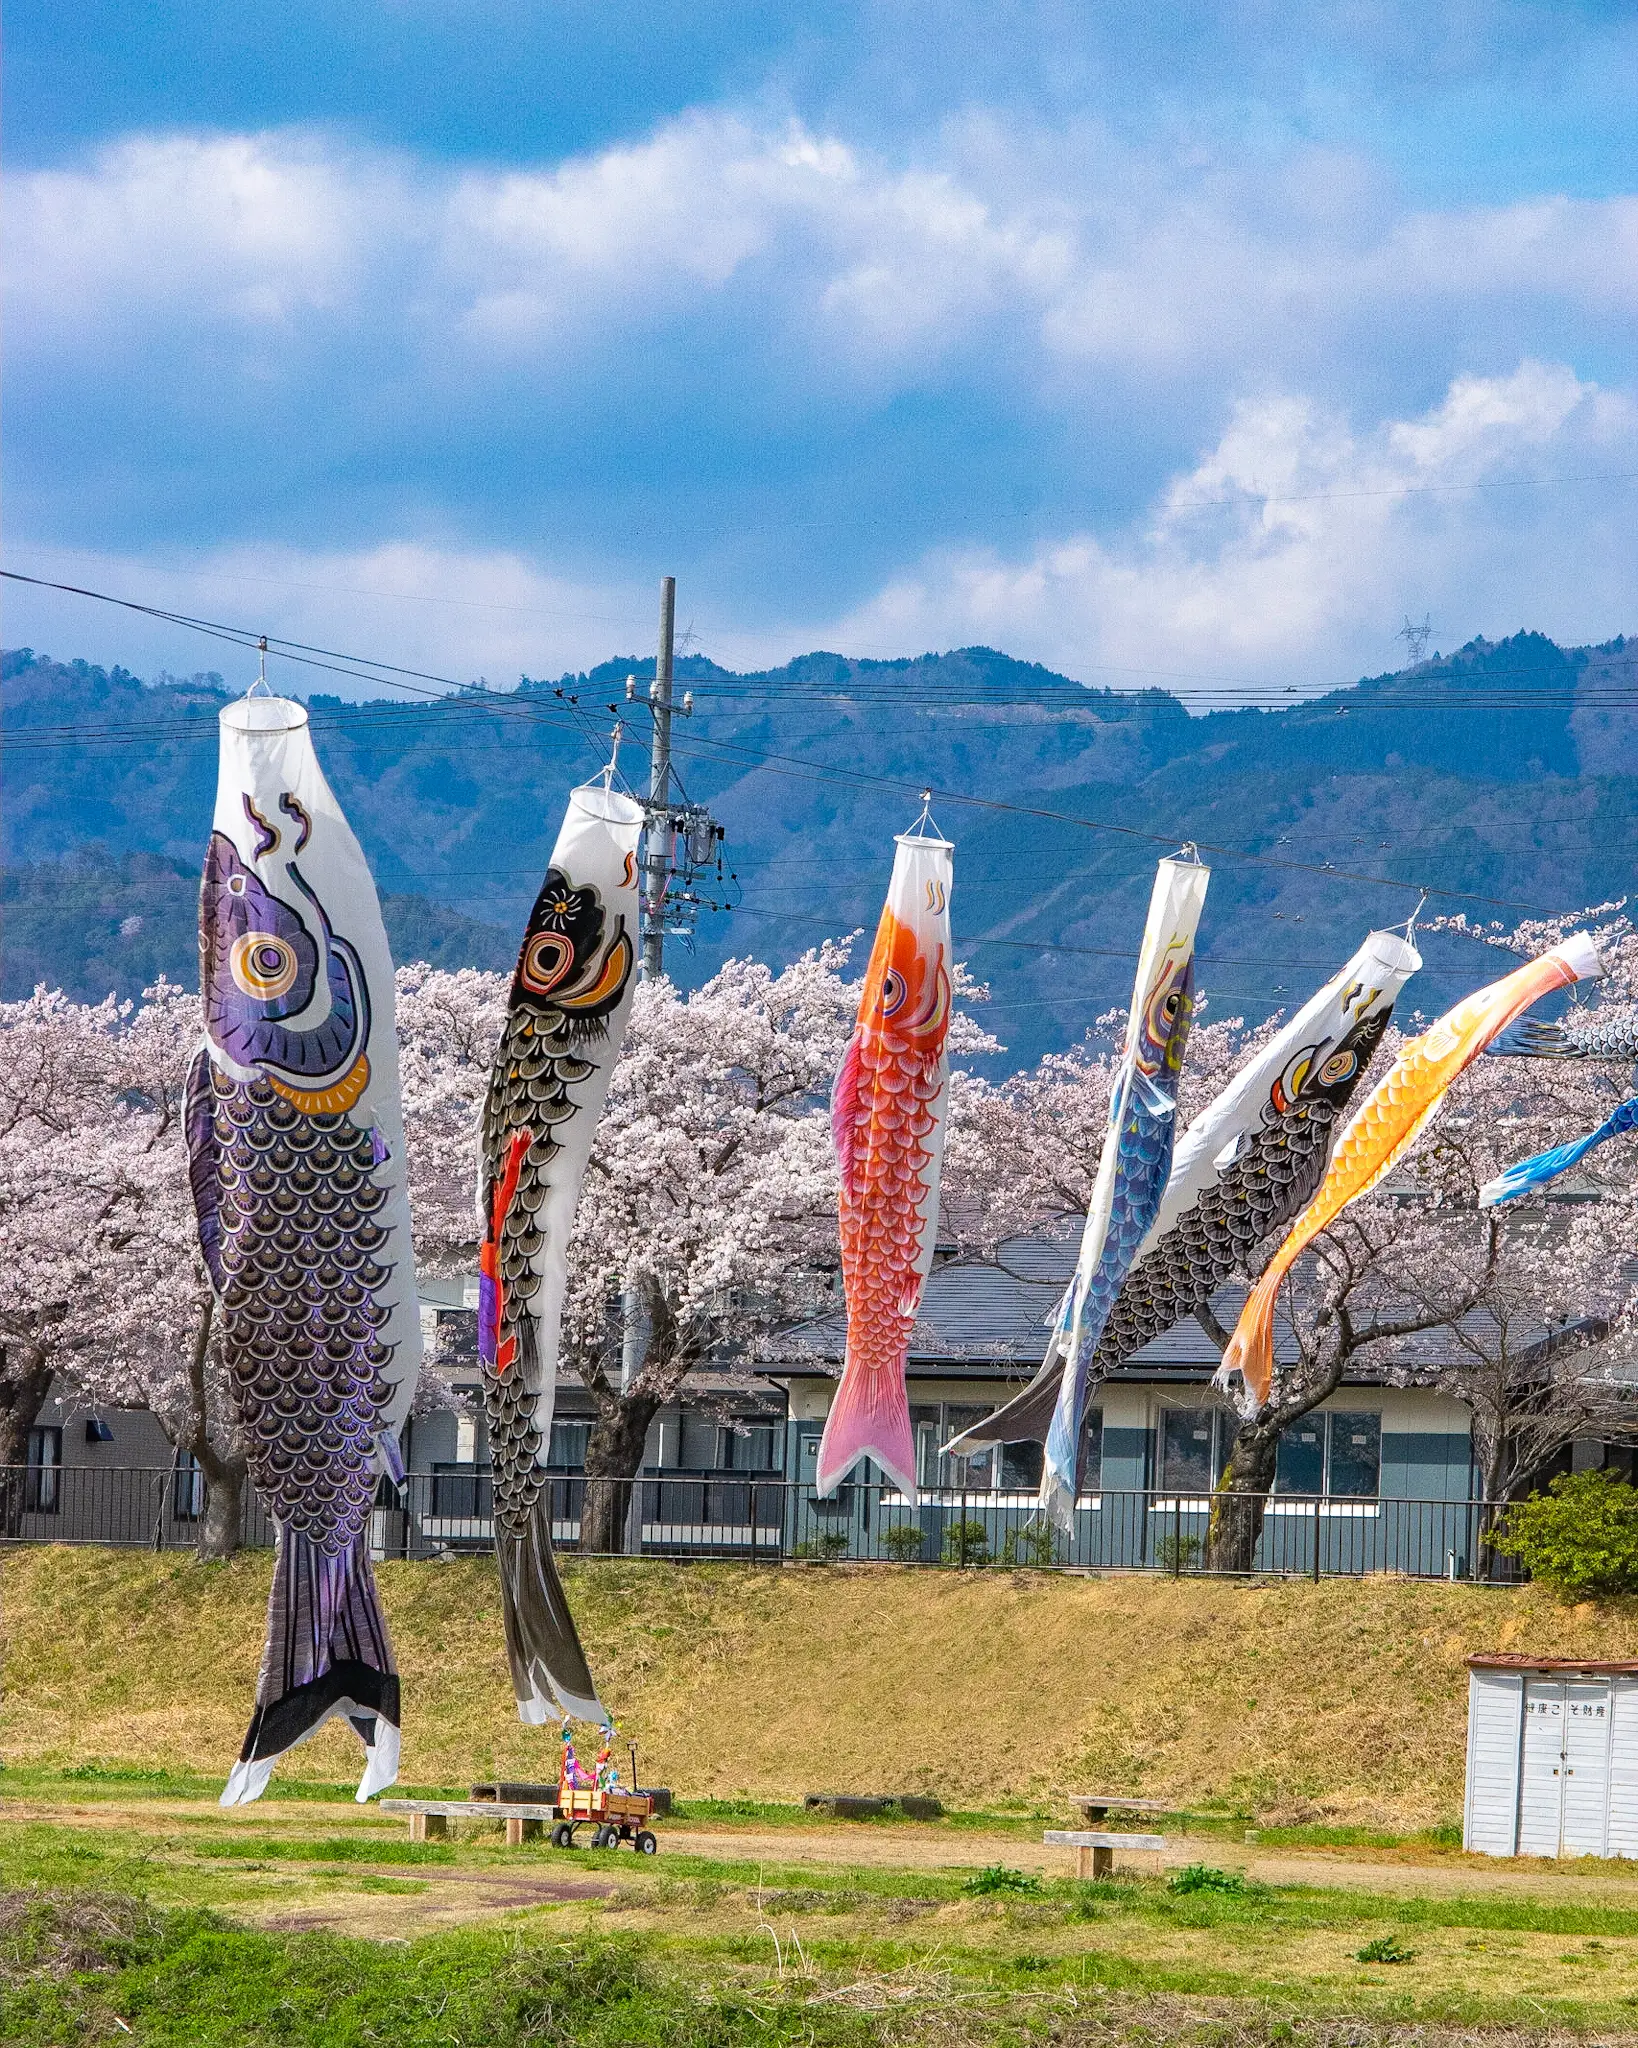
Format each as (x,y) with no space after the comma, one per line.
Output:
(1586,1727)
(1541,1781)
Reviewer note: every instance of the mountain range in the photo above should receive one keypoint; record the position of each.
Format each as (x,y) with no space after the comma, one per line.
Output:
(1502,777)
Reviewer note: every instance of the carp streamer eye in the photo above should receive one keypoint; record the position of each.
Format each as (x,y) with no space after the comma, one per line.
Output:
(894,990)
(263,966)
(1337,1068)
(546,959)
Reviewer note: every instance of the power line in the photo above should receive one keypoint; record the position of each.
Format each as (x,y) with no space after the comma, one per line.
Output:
(789,766)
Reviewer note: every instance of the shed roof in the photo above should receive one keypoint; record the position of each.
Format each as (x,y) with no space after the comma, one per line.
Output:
(1594,1667)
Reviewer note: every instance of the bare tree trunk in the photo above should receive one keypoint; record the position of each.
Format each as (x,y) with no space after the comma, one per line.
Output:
(614,1457)
(25,1381)
(1241,1499)
(221,1525)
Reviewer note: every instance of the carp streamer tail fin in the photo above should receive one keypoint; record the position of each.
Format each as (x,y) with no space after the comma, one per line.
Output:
(550,1674)
(327,1652)
(1531,1039)
(1251,1348)
(870,1418)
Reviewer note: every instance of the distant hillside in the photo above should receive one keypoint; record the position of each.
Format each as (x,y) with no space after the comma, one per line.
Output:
(1506,770)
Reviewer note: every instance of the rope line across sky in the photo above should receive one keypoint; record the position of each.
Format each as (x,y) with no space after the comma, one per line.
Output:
(417,681)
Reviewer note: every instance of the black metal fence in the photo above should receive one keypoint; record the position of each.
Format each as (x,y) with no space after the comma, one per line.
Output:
(714,1514)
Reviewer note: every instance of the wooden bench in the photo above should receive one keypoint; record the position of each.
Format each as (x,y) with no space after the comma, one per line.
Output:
(429,1818)
(1095,1852)
(1097,1805)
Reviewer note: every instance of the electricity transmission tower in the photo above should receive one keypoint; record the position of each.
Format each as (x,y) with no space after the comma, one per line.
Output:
(1416,639)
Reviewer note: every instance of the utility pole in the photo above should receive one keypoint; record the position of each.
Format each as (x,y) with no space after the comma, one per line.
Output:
(657,865)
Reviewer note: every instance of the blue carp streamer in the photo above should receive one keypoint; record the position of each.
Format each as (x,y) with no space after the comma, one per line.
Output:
(1547,1166)
(1134,1168)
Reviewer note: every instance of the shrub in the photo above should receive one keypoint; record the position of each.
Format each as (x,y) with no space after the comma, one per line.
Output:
(1386,1949)
(825,1548)
(997,1877)
(1179,1553)
(966,1542)
(1580,1537)
(1205,1877)
(906,1543)
(1034,1544)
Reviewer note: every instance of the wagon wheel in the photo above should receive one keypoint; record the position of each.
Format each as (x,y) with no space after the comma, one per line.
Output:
(645,1844)
(600,1837)
(563,1835)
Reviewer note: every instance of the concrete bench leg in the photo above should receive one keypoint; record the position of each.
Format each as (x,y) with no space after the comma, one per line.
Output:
(519,1831)
(429,1827)
(1094,1862)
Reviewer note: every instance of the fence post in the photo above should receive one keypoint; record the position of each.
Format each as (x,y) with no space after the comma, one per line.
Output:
(1177,1537)
(1317,1505)
(961,1532)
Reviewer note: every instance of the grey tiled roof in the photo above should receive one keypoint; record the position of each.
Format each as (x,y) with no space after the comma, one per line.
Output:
(994,1319)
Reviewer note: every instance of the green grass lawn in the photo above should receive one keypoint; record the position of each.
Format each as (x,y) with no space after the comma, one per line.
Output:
(330,1927)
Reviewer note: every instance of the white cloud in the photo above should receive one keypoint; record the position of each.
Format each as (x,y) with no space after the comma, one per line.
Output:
(449,612)
(1084,251)
(1291,551)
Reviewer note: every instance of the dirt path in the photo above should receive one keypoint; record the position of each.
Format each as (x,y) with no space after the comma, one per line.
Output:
(1408,1872)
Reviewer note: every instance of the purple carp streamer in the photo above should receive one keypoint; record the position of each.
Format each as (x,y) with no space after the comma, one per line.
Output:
(1245,1167)
(1136,1161)
(571,996)
(296,1157)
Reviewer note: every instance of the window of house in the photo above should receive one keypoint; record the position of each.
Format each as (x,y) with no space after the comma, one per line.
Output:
(41,1488)
(1009,1468)
(1356,1454)
(752,1447)
(1188,1450)
(1334,1452)
(187,1488)
(1300,1465)
(568,1446)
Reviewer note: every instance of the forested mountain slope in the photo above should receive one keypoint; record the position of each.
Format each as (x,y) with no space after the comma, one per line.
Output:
(1505,772)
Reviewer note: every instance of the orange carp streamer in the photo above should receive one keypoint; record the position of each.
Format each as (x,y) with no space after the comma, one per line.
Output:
(887,1114)
(1385,1127)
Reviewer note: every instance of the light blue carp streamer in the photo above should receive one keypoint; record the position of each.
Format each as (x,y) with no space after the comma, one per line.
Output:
(1143,1165)
(1547,1166)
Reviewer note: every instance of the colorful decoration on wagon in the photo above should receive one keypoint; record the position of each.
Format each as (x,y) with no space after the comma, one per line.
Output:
(1135,1164)
(296,1148)
(1383,1130)
(571,996)
(1244,1168)
(887,1113)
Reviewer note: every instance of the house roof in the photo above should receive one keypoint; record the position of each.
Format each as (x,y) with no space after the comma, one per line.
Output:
(992,1320)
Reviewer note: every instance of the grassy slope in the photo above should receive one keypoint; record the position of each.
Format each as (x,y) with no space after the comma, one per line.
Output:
(1345,1701)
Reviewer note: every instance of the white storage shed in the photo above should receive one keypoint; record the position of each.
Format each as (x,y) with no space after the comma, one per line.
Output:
(1552,1757)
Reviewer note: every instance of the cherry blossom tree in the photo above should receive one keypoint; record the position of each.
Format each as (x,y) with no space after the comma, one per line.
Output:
(707,1220)
(100,1279)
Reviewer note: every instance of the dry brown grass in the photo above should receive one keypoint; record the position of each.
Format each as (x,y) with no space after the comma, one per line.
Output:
(1344,1701)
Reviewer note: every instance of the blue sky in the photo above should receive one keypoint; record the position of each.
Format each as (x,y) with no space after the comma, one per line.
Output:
(1212,342)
